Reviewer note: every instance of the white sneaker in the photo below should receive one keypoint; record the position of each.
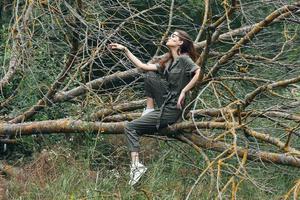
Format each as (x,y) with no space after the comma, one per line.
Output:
(136,172)
(147,110)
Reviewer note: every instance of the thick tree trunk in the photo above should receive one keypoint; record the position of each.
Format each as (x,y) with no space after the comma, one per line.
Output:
(78,126)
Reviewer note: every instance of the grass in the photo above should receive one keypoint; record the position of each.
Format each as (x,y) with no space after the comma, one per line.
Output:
(100,170)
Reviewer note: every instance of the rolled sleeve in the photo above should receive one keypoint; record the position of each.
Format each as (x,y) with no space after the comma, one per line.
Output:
(190,65)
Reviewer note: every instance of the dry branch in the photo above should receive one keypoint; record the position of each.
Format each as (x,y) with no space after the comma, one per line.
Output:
(282,83)
(218,113)
(122,117)
(252,154)
(133,105)
(93,85)
(272,140)
(18,43)
(206,19)
(256,29)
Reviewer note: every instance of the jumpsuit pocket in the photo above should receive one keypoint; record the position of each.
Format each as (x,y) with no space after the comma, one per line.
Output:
(175,76)
(176,70)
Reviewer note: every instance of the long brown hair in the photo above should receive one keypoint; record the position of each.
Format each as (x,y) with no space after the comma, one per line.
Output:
(187,47)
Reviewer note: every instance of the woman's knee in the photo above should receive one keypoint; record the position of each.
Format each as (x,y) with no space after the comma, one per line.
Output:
(131,129)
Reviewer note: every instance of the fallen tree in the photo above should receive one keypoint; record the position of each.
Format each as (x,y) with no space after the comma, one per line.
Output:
(78,126)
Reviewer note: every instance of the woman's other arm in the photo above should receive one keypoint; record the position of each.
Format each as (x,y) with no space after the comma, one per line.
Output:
(192,82)
(189,86)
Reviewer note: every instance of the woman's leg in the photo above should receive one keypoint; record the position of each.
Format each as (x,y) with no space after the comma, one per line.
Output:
(155,89)
(133,131)
(144,125)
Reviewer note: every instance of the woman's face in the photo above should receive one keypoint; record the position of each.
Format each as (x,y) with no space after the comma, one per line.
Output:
(174,40)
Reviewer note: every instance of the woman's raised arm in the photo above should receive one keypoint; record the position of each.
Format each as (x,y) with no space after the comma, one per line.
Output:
(133,58)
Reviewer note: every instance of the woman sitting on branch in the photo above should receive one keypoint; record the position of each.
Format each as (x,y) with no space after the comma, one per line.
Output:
(167,81)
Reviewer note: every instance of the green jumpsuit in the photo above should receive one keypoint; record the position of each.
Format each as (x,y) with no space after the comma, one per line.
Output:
(164,86)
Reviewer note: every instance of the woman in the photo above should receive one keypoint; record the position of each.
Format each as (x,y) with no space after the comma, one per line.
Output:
(179,74)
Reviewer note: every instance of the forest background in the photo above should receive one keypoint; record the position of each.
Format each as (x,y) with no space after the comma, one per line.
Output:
(64,99)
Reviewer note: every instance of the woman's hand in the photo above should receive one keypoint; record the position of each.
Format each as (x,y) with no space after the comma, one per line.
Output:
(180,100)
(117,46)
